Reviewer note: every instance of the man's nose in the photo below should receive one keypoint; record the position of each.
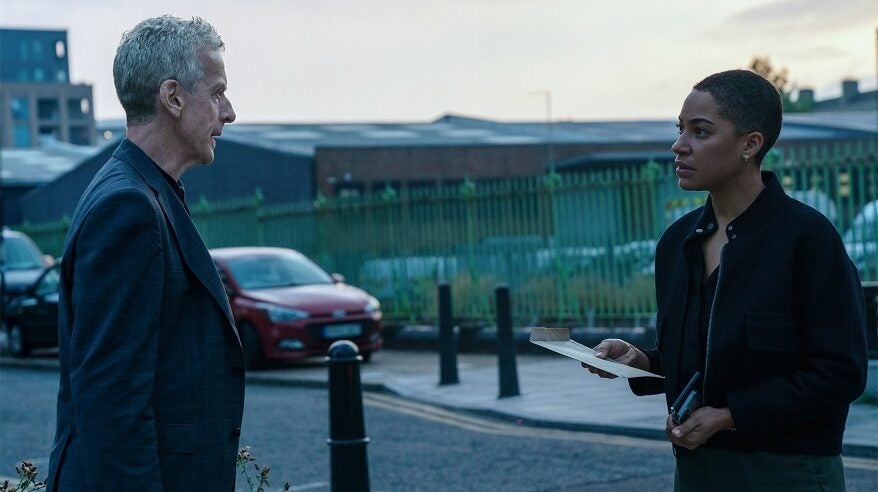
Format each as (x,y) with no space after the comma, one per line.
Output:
(228,113)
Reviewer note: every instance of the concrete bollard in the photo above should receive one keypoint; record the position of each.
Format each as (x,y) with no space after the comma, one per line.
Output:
(349,467)
(447,338)
(505,344)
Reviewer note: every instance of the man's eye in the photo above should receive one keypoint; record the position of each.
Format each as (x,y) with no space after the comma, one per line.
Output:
(679,129)
(700,132)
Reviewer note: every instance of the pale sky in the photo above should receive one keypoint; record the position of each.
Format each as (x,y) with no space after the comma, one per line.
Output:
(414,60)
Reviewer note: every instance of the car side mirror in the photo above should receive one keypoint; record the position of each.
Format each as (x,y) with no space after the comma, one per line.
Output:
(337,278)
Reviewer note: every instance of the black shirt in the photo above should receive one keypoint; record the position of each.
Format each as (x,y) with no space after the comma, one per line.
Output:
(177,186)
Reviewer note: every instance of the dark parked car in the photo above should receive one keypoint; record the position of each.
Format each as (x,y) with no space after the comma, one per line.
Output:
(21,262)
(32,316)
(288,308)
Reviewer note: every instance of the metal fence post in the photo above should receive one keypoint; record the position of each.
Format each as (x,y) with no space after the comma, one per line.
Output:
(447,338)
(349,468)
(505,344)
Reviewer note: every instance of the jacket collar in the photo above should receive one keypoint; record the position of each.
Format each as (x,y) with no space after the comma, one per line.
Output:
(188,239)
(763,208)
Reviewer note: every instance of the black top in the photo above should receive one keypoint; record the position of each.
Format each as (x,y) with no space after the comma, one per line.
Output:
(697,316)
(177,186)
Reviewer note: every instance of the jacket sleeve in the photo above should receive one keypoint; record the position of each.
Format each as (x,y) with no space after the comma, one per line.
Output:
(116,289)
(649,386)
(832,328)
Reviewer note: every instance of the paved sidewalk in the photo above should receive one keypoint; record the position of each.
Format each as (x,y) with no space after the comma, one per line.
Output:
(555,392)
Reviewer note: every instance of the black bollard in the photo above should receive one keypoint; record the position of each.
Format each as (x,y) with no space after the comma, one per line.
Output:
(447,338)
(505,344)
(349,469)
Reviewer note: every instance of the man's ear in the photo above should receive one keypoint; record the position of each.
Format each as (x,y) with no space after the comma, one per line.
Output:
(753,143)
(171,97)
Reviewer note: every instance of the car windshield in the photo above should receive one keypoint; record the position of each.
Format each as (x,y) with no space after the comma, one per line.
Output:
(277,270)
(19,255)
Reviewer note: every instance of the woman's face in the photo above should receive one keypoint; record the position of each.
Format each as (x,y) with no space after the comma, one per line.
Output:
(709,149)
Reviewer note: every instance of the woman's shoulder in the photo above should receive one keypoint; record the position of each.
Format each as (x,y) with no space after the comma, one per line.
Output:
(680,228)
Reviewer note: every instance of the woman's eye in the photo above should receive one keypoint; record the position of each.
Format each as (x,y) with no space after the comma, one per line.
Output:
(679,129)
(700,132)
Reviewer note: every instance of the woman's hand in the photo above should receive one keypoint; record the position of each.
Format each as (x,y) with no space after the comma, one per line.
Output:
(699,427)
(621,352)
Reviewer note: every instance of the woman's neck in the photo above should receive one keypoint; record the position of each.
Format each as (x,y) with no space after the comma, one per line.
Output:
(734,197)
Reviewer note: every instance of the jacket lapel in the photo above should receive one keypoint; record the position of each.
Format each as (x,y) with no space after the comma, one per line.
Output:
(188,239)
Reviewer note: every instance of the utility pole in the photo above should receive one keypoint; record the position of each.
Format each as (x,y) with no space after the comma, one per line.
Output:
(550,150)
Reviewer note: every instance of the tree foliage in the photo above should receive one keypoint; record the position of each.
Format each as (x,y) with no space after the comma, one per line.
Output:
(779,78)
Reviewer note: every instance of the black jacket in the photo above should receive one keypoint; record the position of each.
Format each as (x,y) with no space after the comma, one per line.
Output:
(786,344)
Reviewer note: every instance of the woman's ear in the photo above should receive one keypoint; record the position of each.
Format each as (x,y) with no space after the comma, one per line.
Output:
(171,97)
(753,142)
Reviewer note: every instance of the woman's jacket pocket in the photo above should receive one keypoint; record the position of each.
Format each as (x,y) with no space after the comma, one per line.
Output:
(772,332)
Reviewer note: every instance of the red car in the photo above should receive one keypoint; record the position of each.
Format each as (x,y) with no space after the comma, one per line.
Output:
(288,308)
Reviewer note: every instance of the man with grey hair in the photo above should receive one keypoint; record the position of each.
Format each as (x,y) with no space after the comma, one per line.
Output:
(152,372)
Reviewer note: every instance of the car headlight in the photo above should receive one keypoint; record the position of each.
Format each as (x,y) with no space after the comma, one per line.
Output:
(280,314)
(372,305)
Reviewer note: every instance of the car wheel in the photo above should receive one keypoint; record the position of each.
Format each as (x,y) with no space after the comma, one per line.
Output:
(367,356)
(17,341)
(252,345)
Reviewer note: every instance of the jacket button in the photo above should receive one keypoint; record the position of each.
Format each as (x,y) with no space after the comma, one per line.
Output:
(238,371)
(236,433)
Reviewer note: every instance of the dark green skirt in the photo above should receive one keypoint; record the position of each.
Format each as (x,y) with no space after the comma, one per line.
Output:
(705,470)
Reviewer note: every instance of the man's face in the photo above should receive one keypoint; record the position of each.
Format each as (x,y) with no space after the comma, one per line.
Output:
(206,109)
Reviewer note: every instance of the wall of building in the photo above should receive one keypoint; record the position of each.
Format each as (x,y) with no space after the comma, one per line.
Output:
(371,169)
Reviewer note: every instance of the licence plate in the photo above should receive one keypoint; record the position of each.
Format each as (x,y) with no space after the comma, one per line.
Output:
(342,330)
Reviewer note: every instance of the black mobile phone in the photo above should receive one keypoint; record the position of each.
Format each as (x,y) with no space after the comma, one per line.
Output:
(688,401)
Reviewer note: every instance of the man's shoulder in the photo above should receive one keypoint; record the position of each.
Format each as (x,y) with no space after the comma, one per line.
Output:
(115,183)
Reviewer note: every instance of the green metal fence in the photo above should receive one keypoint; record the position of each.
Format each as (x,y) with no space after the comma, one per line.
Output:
(574,248)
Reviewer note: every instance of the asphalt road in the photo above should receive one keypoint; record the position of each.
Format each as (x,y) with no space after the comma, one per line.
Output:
(413,446)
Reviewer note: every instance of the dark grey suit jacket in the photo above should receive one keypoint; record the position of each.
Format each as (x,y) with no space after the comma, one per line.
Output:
(152,379)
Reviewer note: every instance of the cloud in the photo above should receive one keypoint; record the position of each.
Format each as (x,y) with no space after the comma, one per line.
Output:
(823,52)
(806,15)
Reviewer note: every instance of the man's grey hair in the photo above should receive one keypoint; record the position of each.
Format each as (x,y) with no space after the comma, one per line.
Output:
(159,49)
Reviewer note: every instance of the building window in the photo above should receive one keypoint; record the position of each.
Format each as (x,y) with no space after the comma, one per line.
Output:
(47,109)
(19,108)
(77,109)
(50,131)
(61,75)
(38,49)
(39,74)
(60,49)
(79,135)
(21,135)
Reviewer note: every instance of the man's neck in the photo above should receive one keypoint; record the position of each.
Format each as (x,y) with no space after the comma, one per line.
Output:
(160,145)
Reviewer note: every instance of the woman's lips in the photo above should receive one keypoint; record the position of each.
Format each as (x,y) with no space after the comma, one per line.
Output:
(684,171)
